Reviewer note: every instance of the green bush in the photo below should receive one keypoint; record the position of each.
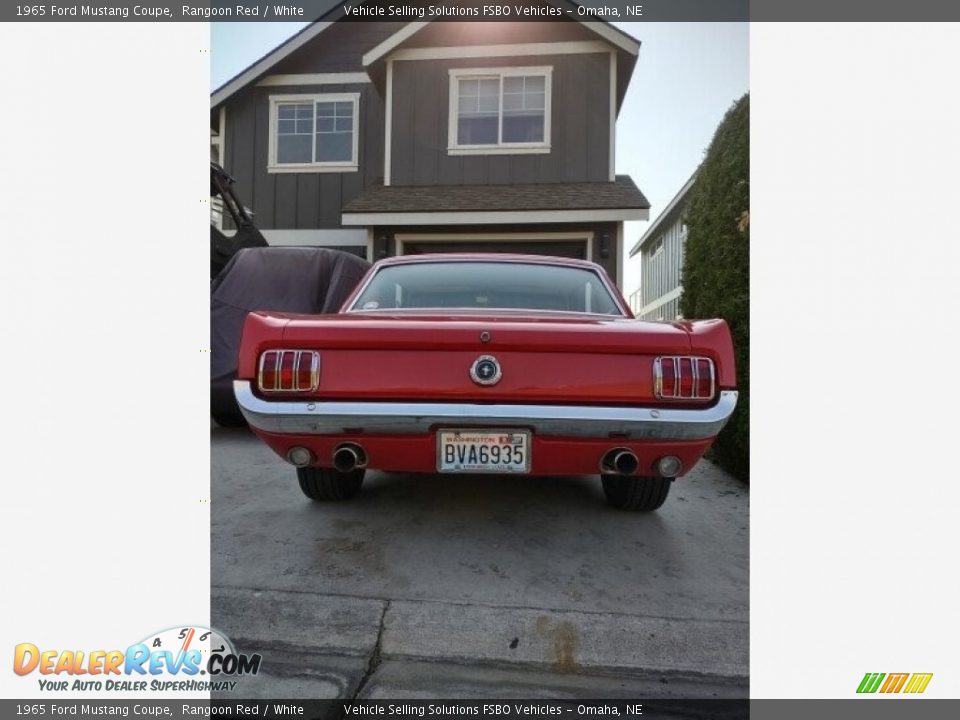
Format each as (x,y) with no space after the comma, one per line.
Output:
(716,268)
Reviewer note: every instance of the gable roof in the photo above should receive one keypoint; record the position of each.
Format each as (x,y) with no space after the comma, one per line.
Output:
(673,207)
(260,67)
(606,31)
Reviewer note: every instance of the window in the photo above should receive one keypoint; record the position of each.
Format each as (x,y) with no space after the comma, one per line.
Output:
(481,286)
(656,247)
(505,110)
(314,133)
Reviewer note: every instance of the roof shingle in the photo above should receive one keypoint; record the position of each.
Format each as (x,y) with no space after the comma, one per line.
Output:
(621,194)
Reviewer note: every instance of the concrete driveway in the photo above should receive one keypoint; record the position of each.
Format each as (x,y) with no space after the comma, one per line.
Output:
(478,586)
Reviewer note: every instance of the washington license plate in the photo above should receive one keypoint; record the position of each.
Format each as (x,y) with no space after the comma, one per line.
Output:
(494,451)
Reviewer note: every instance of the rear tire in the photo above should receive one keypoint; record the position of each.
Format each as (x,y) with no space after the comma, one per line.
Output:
(226,419)
(326,484)
(642,494)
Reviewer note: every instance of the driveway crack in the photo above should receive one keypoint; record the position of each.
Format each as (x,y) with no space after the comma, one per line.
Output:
(374,662)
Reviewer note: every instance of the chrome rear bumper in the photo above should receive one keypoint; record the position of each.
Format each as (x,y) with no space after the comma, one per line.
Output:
(404,418)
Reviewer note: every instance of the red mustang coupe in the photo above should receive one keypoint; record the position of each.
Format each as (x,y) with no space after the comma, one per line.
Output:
(486,364)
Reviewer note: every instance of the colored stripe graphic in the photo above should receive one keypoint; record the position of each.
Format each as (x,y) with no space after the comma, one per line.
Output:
(870,682)
(918,682)
(894,683)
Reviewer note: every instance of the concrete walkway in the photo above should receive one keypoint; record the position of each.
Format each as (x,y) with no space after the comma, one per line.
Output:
(478,586)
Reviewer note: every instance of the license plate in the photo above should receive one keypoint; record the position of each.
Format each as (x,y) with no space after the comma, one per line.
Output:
(494,451)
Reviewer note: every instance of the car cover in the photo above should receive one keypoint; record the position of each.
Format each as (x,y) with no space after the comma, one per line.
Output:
(223,246)
(286,279)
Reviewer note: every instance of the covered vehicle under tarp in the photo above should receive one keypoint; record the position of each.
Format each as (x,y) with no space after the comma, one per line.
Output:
(223,246)
(285,279)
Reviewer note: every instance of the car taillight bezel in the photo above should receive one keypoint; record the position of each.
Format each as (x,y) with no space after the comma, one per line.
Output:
(670,378)
(271,365)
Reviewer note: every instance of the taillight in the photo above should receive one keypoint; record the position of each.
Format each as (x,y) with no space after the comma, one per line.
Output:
(289,371)
(681,377)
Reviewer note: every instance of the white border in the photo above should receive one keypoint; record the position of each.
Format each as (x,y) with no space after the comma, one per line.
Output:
(501,148)
(388,126)
(407,31)
(343,78)
(320,237)
(222,137)
(660,301)
(337,167)
(493,217)
(612,160)
(611,35)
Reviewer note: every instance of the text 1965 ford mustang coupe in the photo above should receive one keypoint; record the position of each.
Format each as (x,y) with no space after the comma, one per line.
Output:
(486,364)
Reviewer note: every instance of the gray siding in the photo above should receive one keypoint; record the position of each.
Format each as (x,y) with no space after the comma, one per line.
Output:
(298,200)
(660,272)
(339,48)
(580,120)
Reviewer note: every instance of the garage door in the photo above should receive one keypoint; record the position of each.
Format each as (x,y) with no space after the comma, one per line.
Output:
(559,248)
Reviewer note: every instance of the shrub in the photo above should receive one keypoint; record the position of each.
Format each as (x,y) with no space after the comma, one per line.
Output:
(716,268)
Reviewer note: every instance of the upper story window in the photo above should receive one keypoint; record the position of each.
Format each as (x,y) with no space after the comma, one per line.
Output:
(656,247)
(499,111)
(314,133)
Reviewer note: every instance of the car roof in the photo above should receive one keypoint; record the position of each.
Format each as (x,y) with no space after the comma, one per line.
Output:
(488,257)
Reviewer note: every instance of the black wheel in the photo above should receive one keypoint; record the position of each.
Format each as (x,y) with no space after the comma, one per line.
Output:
(636,493)
(328,484)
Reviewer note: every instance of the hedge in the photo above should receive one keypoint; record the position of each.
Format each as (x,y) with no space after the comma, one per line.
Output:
(716,268)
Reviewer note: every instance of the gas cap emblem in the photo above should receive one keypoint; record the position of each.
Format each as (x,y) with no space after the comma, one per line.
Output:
(485,370)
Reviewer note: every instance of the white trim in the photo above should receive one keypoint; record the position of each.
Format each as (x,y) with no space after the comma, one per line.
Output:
(274,167)
(344,237)
(621,260)
(660,301)
(407,31)
(613,116)
(297,41)
(677,199)
(267,62)
(388,126)
(493,217)
(501,148)
(369,244)
(613,36)
(586,236)
(221,139)
(575,47)
(342,78)
(508,149)
(609,34)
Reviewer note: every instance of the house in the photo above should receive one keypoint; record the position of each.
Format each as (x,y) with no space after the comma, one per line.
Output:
(388,138)
(661,260)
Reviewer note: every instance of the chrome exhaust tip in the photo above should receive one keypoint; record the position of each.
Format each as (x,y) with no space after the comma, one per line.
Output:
(349,456)
(620,461)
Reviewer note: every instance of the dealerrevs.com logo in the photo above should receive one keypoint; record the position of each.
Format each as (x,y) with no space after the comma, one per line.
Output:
(888,684)
(180,659)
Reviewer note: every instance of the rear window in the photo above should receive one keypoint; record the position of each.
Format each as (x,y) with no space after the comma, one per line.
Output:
(487,285)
